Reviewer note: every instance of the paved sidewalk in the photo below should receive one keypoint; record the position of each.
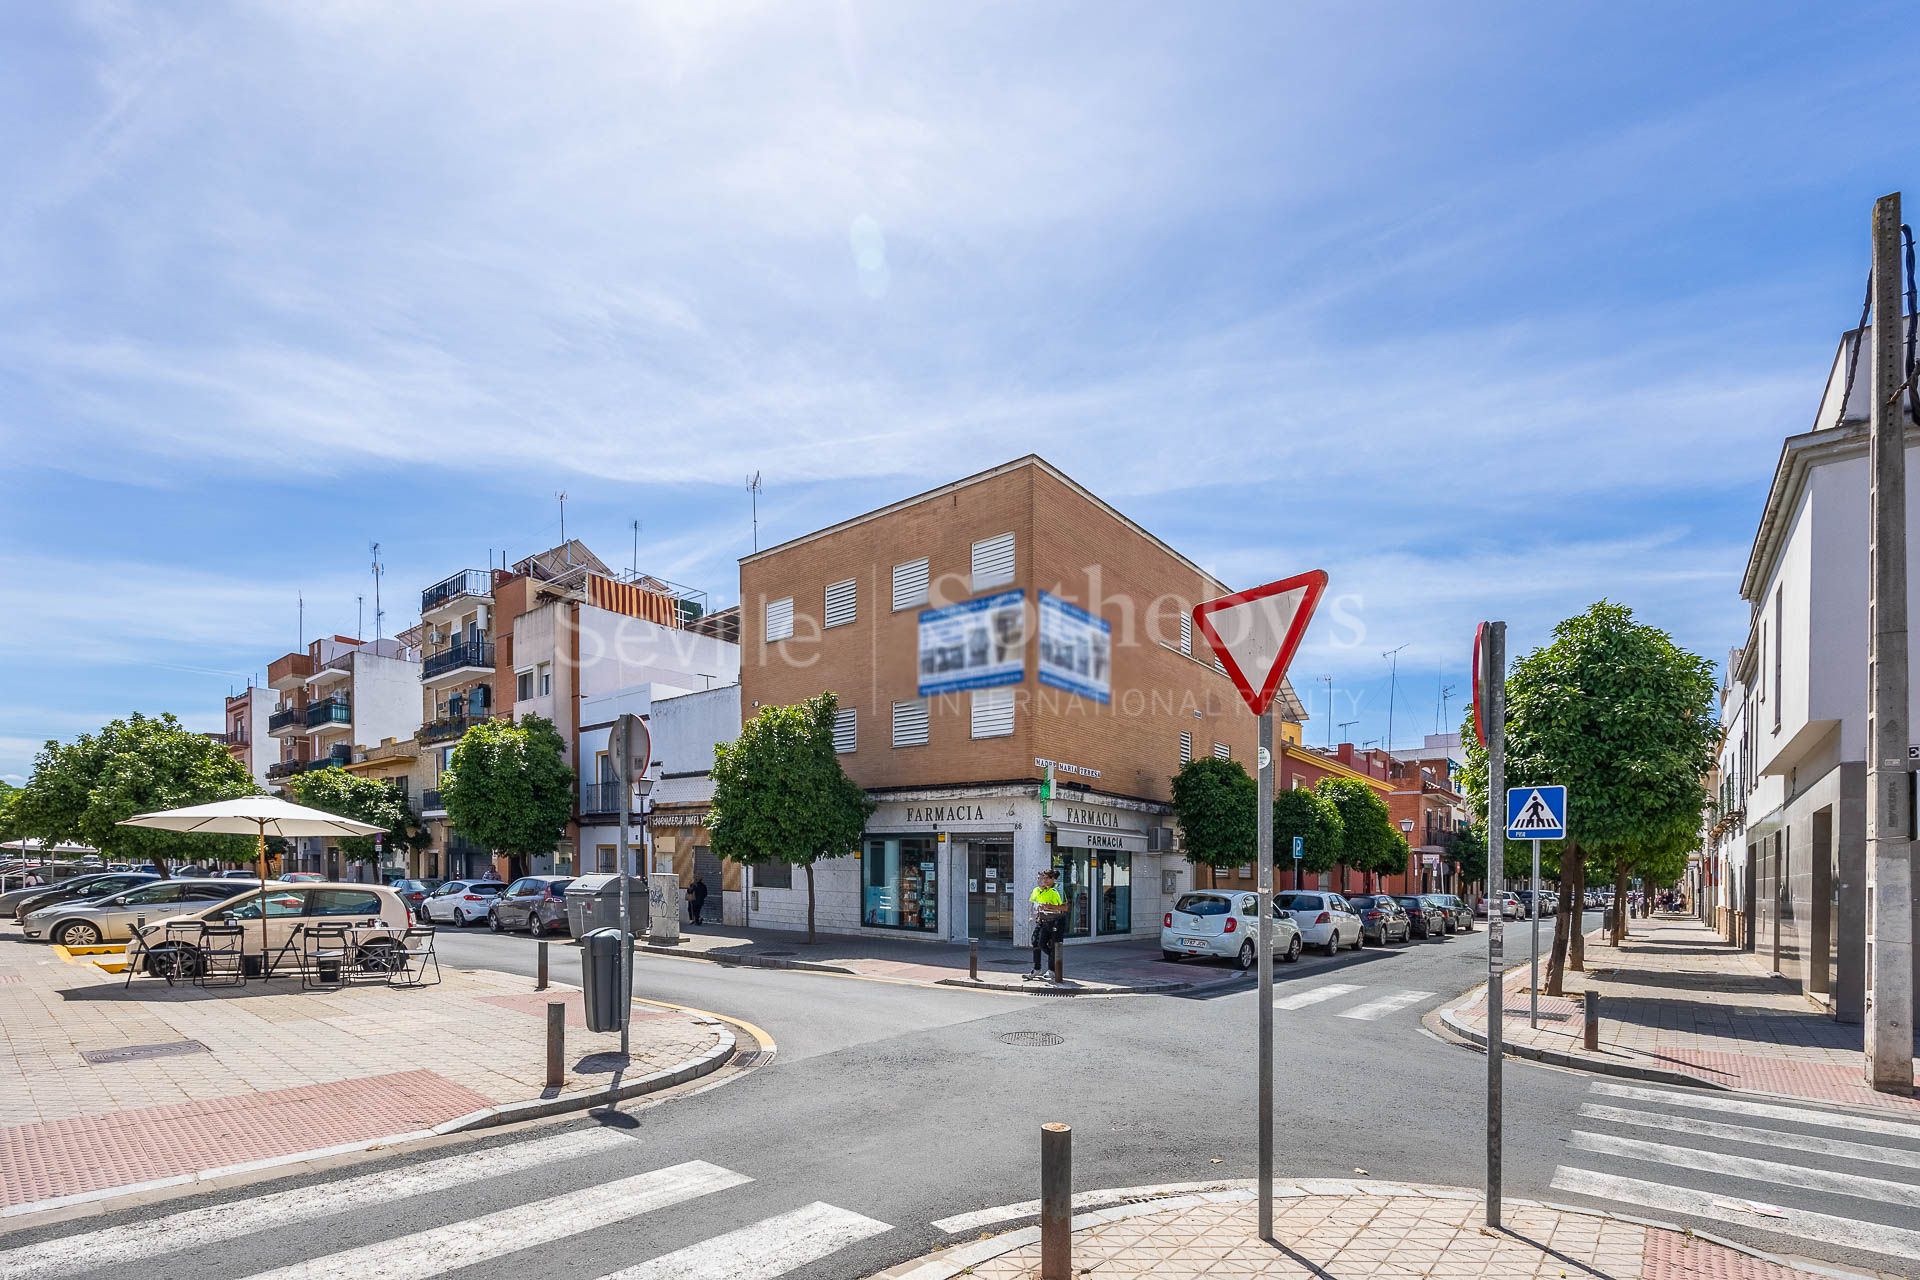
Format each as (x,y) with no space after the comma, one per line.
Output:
(1129,967)
(268,1072)
(1677,1003)
(1356,1231)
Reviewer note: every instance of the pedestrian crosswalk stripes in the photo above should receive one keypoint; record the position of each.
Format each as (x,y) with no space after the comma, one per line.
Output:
(1707,1167)
(438,1250)
(199,1228)
(1314,995)
(1385,1005)
(762,1250)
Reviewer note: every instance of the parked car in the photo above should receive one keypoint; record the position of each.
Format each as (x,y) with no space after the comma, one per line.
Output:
(414,891)
(41,883)
(1325,919)
(1510,907)
(95,886)
(303,877)
(1428,921)
(1458,915)
(290,906)
(1382,919)
(87,922)
(534,903)
(461,902)
(238,874)
(1224,923)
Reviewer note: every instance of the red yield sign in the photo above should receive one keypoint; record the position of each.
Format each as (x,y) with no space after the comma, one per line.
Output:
(1255,633)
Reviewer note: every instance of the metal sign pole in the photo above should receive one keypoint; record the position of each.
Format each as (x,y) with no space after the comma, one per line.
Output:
(1494,681)
(1533,961)
(1264,850)
(623,772)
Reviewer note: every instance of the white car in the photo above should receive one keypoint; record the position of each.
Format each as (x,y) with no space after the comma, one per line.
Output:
(461,902)
(1510,907)
(1325,919)
(1224,923)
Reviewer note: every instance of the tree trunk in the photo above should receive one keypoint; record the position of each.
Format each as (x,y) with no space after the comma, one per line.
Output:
(1573,920)
(1557,959)
(1343,877)
(809,903)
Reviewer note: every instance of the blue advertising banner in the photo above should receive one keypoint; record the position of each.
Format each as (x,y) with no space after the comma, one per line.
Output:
(974,645)
(1076,649)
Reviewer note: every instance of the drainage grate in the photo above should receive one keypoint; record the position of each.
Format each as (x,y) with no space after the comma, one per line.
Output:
(1031,1039)
(141,1052)
(752,1058)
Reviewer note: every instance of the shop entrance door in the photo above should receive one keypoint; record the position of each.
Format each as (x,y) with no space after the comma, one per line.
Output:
(990,890)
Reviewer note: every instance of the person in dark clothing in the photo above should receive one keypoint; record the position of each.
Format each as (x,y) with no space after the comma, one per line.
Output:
(696,900)
(1049,923)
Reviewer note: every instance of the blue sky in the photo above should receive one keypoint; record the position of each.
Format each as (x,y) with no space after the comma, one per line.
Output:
(1490,310)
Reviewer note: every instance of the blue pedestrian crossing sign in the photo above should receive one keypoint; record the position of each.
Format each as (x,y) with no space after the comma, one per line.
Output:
(1299,848)
(1536,813)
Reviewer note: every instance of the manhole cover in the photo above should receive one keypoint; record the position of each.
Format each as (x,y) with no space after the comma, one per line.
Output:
(141,1052)
(1031,1039)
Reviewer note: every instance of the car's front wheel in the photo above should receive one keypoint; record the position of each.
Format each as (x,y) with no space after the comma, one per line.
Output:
(1294,948)
(78,933)
(1245,959)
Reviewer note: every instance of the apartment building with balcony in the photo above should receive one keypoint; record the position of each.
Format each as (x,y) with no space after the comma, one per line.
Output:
(973,634)
(247,737)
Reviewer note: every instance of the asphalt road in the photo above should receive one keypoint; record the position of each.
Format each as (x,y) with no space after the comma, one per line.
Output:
(891,1106)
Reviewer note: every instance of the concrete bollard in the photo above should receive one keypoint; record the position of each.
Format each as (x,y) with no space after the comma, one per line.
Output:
(1592,1007)
(556,1044)
(973,959)
(1056,1202)
(540,973)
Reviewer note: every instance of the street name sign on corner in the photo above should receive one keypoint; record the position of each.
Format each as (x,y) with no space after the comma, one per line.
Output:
(1255,633)
(1537,813)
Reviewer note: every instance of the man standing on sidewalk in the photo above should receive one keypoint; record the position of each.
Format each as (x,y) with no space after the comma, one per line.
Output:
(696,900)
(1049,922)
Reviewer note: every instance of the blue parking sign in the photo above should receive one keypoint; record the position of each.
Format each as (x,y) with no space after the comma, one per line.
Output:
(1299,848)
(1536,813)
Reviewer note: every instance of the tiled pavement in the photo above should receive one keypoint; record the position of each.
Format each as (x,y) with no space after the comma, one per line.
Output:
(1356,1231)
(1677,998)
(282,1071)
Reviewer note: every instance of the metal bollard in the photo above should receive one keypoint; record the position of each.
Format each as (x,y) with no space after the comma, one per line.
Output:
(973,959)
(1056,1202)
(540,973)
(1059,960)
(556,1044)
(1592,1005)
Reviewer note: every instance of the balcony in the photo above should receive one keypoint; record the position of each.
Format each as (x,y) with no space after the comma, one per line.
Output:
(468,656)
(281,769)
(601,797)
(286,718)
(337,757)
(467,582)
(450,726)
(431,803)
(329,713)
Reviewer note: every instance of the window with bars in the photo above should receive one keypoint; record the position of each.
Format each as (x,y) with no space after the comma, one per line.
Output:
(910,584)
(780,618)
(993,561)
(910,723)
(1221,751)
(1186,634)
(842,603)
(1186,748)
(993,713)
(846,730)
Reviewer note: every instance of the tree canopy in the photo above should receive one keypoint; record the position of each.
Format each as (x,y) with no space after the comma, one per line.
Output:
(780,795)
(507,786)
(1299,811)
(1216,803)
(373,800)
(1369,841)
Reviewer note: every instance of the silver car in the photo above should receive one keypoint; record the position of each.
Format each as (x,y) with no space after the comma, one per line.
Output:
(90,922)
(1223,923)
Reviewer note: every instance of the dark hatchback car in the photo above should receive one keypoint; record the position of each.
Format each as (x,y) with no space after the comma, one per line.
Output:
(537,904)
(1454,912)
(1382,919)
(97,886)
(1426,917)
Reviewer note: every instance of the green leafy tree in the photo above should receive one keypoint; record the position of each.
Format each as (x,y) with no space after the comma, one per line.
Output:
(1313,817)
(1369,842)
(1216,803)
(507,786)
(9,807)
(373,800)
(82,789)
(1623,716)
(780,795)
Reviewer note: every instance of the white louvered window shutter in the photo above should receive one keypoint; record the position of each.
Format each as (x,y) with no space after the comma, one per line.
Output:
(842,603)
(780,618)
(1186,634)
(910,584)
(910,723)
(993,713)
(1186,747)
(846,730)
(1222,751)
(993,562)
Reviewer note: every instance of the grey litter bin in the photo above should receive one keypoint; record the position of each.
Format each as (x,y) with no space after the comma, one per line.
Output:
(600,978)
(593,902)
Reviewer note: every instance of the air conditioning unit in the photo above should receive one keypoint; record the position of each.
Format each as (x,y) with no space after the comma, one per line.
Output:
(435,636)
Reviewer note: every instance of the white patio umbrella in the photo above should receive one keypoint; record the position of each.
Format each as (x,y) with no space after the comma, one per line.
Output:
(257,816)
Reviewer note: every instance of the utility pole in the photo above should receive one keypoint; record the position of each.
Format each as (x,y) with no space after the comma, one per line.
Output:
(1393,683)
(1493,707)
(1889,1030)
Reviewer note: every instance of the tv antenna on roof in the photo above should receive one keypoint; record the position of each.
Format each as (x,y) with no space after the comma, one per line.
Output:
(379,614)
(562,496)
(636,547)
(753,492)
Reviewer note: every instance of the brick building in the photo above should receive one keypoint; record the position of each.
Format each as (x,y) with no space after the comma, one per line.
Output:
(974,634)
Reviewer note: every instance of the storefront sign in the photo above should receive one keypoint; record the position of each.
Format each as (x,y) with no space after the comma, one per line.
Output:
(962,815)
(1076,649)
(946,813)
(658,819)
(974,645)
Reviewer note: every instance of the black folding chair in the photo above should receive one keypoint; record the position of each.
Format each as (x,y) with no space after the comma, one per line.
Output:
(324,953)
(223,959)
(416,953)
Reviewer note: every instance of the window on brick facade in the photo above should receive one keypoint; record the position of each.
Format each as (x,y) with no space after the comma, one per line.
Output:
(780,618)
(1186,747)
(1186,634)
(993,561)
(910,584)
(910,723)
(842,603)
(846,730)
(993,713)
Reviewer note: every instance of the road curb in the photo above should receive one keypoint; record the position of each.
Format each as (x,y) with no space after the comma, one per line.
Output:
(1048,989)
(750,961)
(747,961)
(962,1258)
(1573,1061)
